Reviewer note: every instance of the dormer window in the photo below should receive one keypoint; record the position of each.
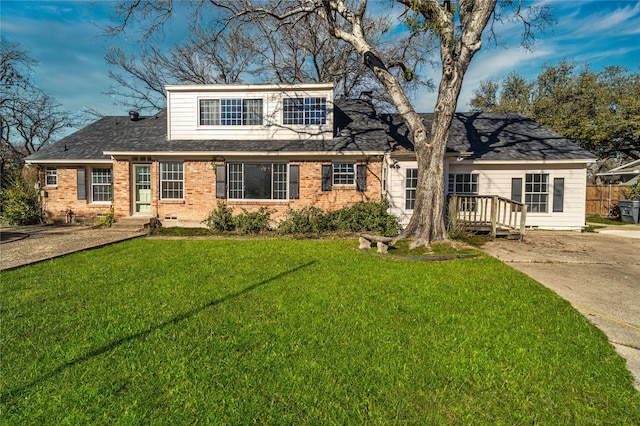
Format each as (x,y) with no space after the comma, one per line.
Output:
(304,111)
(231,112)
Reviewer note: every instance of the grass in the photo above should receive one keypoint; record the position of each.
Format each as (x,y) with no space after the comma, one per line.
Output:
(295,332)
(605,220)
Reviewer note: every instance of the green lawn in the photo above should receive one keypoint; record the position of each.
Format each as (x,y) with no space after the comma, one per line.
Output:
(294,332)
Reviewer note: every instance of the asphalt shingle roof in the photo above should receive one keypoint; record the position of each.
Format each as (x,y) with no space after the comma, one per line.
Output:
(357,130)
(488,136)
(496,136)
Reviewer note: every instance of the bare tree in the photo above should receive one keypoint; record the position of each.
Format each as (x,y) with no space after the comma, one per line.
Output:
(29,118)
(208,57)
(265,50)
(456,29)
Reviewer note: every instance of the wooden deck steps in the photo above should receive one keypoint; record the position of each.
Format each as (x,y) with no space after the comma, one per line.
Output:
(497,216)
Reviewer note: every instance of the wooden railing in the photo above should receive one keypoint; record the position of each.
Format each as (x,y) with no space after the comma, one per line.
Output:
(489,213)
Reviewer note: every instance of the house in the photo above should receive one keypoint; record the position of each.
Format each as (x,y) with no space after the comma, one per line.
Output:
(627,174)
(280,146)
(291,146)
(503,154)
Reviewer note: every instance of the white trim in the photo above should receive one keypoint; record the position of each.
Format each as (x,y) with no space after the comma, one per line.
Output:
(246,87)
(210,154)
(69,162)
(500,162)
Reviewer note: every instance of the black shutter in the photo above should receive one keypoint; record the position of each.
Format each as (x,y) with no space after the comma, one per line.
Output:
(221,181)
(327,177)
(558,194)
(516,189)
(361,178)
(294,182)
(81,183)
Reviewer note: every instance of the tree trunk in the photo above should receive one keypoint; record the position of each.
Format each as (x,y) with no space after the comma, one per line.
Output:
(427,223)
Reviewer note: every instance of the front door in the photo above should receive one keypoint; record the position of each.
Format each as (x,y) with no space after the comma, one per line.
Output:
(142,189)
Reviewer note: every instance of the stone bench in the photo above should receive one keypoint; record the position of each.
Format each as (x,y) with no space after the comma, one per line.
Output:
(381,242)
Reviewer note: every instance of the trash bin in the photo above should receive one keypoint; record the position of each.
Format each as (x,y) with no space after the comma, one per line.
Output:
(629,210)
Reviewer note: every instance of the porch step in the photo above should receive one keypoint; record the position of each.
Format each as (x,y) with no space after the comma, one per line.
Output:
(134,223)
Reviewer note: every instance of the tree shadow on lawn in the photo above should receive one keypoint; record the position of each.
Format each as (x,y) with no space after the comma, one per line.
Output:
(12,394)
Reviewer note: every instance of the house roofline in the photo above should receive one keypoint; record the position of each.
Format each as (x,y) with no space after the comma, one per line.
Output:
(539,161)
(74,161)
(243,153)
(461,157)
(246,87)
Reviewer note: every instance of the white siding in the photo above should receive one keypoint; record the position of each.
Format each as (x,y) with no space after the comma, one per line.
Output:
(495,179)
(183,113)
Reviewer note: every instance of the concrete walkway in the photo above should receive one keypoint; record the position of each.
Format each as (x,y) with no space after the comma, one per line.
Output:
(598,273)
(23,245)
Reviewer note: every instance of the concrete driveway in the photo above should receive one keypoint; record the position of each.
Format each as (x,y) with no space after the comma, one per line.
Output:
(598,273)
(22,245)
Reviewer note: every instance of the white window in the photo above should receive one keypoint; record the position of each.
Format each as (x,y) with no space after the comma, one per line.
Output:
(231,112)
(536,192)
(463,183)
(101,185)
(51,176)
(304,111)
(258,181)
(172,181)
(343,173)
(411,183)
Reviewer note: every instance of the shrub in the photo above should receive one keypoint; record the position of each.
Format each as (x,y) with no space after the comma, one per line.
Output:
(364,216)
(20,202)
(632,193)
(221,219)
(107,220)
(307,222)
(252,222)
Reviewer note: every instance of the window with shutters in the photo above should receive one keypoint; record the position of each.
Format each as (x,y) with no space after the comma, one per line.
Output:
(536,192)
(343,173)
(101,185)
(257,181)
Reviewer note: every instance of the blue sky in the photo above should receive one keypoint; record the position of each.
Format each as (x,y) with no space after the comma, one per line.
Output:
(66,38)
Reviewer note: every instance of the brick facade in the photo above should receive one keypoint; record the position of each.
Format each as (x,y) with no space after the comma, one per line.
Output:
(199,192)
(61,203)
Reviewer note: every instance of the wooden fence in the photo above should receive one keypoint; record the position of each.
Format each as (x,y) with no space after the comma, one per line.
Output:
(601,199)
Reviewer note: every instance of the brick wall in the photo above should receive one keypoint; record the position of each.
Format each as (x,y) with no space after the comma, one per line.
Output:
(311,193)
(61,203)
(200,192)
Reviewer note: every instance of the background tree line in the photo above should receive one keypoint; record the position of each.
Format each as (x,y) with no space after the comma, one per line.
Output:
(600,111)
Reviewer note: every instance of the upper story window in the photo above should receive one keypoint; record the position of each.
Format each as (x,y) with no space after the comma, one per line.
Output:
(231,112)
(51,175)
(304,111)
